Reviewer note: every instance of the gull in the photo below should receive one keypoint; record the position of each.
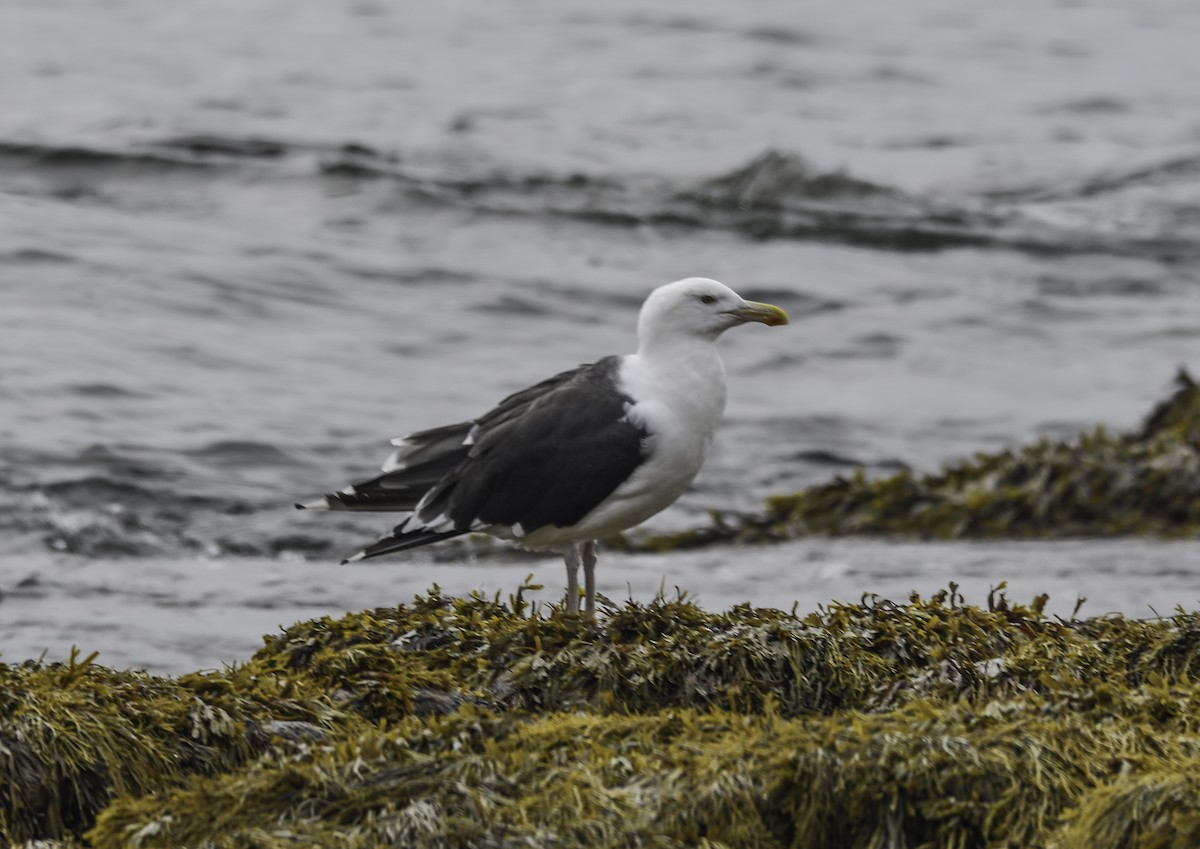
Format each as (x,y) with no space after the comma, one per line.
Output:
(586,454)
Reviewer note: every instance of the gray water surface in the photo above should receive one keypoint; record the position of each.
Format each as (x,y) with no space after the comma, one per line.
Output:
(242,245)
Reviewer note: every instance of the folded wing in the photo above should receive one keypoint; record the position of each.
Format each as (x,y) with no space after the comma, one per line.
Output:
(547,455)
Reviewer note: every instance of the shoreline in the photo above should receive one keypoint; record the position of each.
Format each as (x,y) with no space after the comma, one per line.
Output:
(171,616)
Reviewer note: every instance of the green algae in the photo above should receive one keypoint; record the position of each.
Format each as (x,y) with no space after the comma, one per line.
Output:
(1155,809)
(1100,484)
(920,776)
(442,653)
(570,780)
(73,735)
(476,722)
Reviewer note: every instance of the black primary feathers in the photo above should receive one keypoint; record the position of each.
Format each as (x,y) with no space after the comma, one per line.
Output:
(547,455)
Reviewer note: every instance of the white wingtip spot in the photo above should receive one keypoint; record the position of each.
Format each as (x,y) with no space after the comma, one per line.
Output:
(321,504)
(354,558)
(349,491)
(393,463)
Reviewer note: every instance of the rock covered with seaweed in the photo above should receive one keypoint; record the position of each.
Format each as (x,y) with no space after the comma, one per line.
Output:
(1100,484)
(476,722)
(472,722)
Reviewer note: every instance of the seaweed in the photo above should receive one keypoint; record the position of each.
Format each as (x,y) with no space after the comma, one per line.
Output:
(476,722)
(925,775)
(75,734)
(1155,809)
(934,723)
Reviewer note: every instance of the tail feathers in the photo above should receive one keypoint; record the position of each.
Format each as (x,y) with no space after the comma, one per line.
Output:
(396,491)
(406,540)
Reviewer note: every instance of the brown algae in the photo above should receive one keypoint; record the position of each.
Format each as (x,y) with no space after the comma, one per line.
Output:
(475,722)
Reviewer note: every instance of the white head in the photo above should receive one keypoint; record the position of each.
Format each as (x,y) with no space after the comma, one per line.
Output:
(698,308)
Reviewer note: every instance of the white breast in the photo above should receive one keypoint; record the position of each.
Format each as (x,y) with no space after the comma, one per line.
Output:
(678,401)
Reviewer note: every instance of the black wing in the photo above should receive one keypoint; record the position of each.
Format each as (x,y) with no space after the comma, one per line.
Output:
(547,455)
(544,458)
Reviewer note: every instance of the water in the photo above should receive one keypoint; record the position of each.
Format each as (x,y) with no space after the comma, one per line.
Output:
(176,615)
(243,249)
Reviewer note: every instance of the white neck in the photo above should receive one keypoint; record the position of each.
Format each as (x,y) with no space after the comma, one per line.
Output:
(687,373)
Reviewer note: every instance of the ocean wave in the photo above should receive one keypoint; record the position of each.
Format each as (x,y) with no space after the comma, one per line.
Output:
(46,156)
(775,195)
(122,502)
(242,453)
(205,145)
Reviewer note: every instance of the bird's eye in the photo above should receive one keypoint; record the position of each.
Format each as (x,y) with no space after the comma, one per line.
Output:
(708,299)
